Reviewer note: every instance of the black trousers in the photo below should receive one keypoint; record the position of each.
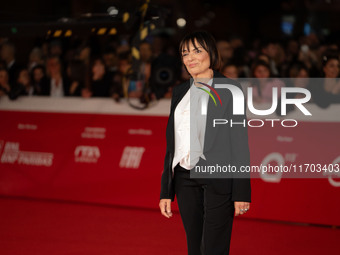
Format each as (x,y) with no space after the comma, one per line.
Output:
(206,215)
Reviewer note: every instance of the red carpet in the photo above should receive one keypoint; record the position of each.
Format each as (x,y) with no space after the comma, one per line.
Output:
(34,227)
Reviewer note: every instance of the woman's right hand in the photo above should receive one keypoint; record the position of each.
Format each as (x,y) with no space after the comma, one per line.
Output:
(165,206)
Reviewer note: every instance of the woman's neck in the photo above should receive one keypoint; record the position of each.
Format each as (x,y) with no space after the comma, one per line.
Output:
(203,77)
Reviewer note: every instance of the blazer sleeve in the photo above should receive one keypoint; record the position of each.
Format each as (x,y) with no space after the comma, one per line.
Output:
(167,185)
(241,188)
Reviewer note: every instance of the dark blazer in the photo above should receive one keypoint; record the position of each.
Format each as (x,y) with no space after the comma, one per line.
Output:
(223,144)
(46,86)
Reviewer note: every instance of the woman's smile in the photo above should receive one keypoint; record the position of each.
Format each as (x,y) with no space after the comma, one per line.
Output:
(197,61)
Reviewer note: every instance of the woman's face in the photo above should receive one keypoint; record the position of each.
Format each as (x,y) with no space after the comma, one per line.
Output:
(261,72)
(38,74)
(231,72)
(24,77)
(124,66)
(331,69)
(196,60)
(53,66)
(302,74)
(98,70)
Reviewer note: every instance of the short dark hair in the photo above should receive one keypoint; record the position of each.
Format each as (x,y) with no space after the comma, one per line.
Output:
(39,66)
(329,56)
(296,67)
(54,56)
(207,41)
(227,65)
(257,63)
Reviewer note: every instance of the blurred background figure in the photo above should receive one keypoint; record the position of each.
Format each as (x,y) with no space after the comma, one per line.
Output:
(121,80)
(5,88)
(56,49)
(292,51)
(328,92)
(264,84)
(111,60)
(146,58)
(35,58)
(270,49)
(84,54)
(8,56)
(230,70)
(39,78)
(299,74)
(264,58)
(298,70)
(225,50)
(101,81)
(299,78)
(23,85)
(331,70)
(76,73)
(57,84)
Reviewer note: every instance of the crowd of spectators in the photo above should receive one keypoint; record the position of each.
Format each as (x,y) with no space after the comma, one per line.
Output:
(56,71)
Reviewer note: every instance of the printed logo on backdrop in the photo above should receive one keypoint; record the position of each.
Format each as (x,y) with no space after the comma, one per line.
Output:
(1,146)
(11,154)
(139,131)
(27,126)
(94,133)
(86,154)
(131,157)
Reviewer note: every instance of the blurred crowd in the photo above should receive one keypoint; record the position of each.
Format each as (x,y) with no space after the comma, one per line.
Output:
(53,69)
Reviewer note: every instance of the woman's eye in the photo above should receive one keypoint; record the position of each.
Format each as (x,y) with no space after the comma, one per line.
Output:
(198,51)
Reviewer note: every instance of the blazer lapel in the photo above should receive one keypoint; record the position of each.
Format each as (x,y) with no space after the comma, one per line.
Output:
(213,112)
(209,135)
(180,92)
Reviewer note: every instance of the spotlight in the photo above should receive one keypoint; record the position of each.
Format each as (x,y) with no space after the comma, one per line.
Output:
(112,10)
(181,22)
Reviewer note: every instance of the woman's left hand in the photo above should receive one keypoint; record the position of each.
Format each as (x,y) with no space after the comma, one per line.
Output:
(241,207)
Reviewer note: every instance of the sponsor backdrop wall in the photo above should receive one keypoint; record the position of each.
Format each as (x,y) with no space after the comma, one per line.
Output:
(100,151)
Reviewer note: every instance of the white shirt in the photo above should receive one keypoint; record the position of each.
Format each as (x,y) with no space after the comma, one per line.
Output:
(57,90)
(30,91)
(189,140)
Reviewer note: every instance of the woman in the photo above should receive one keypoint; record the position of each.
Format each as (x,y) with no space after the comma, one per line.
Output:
(327,91)
(57,84)
(38,78)
(264,83)
(5,87)
(206,205)
(230,70)
(23,85)
(331,69)
(101,80)
(76,72)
